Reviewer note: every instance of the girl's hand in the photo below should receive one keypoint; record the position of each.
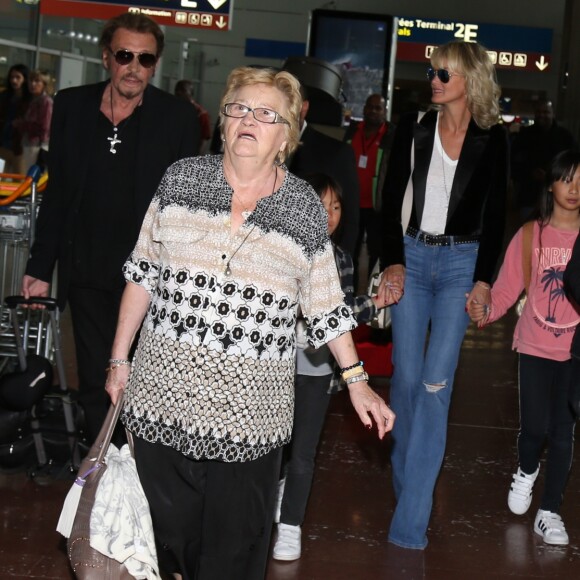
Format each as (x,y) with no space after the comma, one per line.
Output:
(479,302)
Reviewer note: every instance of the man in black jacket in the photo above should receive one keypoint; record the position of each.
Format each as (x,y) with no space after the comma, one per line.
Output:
(320,153)
(110,145)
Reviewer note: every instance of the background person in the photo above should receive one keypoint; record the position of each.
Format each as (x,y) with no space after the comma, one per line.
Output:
(533,149)
(371,140)
(542,337)
(110,144)
(316,379)
(230,247)
(184,89)
(450,248)
(14,101)
(34,127)
(320,153)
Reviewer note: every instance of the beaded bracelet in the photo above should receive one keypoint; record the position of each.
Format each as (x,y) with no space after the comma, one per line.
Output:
(119,361)
(360,363)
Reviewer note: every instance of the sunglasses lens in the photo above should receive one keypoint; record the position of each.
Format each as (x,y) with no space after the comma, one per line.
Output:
(123,57)
(443,75)
(430,74)
(147,60)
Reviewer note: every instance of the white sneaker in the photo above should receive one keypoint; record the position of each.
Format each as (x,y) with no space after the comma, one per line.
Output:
(551,527)
(279,498)
(287,546)
(520,495)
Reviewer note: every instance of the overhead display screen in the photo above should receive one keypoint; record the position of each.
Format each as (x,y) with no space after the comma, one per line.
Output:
(509,47)
(208,14)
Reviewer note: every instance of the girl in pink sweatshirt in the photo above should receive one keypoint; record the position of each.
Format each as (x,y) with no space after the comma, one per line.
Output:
(542,337)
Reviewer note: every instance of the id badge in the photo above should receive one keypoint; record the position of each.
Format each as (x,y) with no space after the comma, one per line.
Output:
(362,161)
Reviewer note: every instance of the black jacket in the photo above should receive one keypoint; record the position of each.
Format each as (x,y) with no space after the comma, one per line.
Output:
(169,131)
(478,197)
(319,153)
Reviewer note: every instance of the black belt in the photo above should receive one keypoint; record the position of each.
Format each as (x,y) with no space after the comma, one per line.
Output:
(430,240)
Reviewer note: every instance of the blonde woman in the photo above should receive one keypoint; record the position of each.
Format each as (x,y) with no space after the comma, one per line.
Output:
(449,250)
(35,126)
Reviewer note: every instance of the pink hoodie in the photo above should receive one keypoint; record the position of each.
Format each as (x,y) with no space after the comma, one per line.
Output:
(548,320)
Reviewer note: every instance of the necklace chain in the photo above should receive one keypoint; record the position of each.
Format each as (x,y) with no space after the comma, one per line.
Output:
(247,212)
(447,192)
(114,140)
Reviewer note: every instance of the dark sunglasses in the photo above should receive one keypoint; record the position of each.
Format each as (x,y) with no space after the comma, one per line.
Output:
(124,57)
(442,73)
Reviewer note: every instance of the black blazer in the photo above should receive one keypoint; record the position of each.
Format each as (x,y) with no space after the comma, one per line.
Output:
(169,131)
(320,153)
(572,287)
(477,202)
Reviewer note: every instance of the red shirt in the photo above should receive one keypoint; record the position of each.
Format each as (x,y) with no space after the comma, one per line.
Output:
(366,151)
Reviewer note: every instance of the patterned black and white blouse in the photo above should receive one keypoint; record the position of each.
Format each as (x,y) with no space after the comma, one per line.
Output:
(213,374)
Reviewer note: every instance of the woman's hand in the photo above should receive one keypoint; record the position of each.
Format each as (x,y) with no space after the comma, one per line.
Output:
(392,285)
(368,404)
(117,378)
(479,303)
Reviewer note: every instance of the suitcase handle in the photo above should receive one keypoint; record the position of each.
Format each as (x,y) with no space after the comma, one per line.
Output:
(14,301)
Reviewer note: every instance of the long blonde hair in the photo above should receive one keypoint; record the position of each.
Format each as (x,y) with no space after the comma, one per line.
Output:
(471,60)
(286,83)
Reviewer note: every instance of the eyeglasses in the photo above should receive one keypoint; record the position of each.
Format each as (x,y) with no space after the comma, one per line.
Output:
(124,57)
(442,74)
(237,110)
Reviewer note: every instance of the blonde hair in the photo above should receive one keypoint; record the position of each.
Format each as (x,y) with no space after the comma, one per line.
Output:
(286,83)
(471,60)
(41,75)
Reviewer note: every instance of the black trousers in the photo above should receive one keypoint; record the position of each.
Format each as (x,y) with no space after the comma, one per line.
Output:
(310,406)
(212,520)
(369,224)
(94,318)
(546,418)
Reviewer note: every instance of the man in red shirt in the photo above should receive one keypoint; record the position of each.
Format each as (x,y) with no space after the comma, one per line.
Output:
(371,140)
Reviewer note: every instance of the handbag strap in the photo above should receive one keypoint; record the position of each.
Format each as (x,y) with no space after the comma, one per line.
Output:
(527,233)
(106,432)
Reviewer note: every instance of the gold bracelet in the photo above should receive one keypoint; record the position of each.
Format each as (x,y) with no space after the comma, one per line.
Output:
(359,370)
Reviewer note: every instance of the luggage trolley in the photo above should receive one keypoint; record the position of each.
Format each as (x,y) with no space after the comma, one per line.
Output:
(18,208)
(20,326)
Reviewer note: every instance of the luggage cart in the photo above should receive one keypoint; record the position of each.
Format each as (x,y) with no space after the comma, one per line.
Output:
(24,338)
(18,208)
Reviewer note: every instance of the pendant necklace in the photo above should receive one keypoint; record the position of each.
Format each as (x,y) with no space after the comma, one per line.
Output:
(447,192)
(114,140)
(228,270)
(247,212)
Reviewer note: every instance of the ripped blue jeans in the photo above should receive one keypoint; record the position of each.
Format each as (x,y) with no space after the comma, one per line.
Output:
(428,324)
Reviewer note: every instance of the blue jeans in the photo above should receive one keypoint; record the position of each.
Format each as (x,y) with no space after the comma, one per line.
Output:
(437,279)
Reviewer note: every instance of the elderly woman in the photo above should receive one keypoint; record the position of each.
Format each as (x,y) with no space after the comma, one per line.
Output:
(448,251)
(230,247)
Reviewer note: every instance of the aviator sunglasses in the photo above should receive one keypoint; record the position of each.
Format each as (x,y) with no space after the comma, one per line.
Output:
(442,74)
(124,57)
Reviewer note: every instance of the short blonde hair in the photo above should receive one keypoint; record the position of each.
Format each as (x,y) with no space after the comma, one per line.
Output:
(471,60)
(286,83)
(44,76)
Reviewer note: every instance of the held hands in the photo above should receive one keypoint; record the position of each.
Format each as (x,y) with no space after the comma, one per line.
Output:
(391,287)
(369,405)
(478,303)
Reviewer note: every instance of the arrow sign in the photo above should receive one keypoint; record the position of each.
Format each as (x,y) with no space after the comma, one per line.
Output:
(221,22)
(542,65)
(217,3)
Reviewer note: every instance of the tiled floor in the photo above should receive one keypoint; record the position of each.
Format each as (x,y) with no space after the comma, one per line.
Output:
(472,534)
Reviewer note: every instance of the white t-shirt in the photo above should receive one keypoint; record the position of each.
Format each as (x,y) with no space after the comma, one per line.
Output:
(438,188)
